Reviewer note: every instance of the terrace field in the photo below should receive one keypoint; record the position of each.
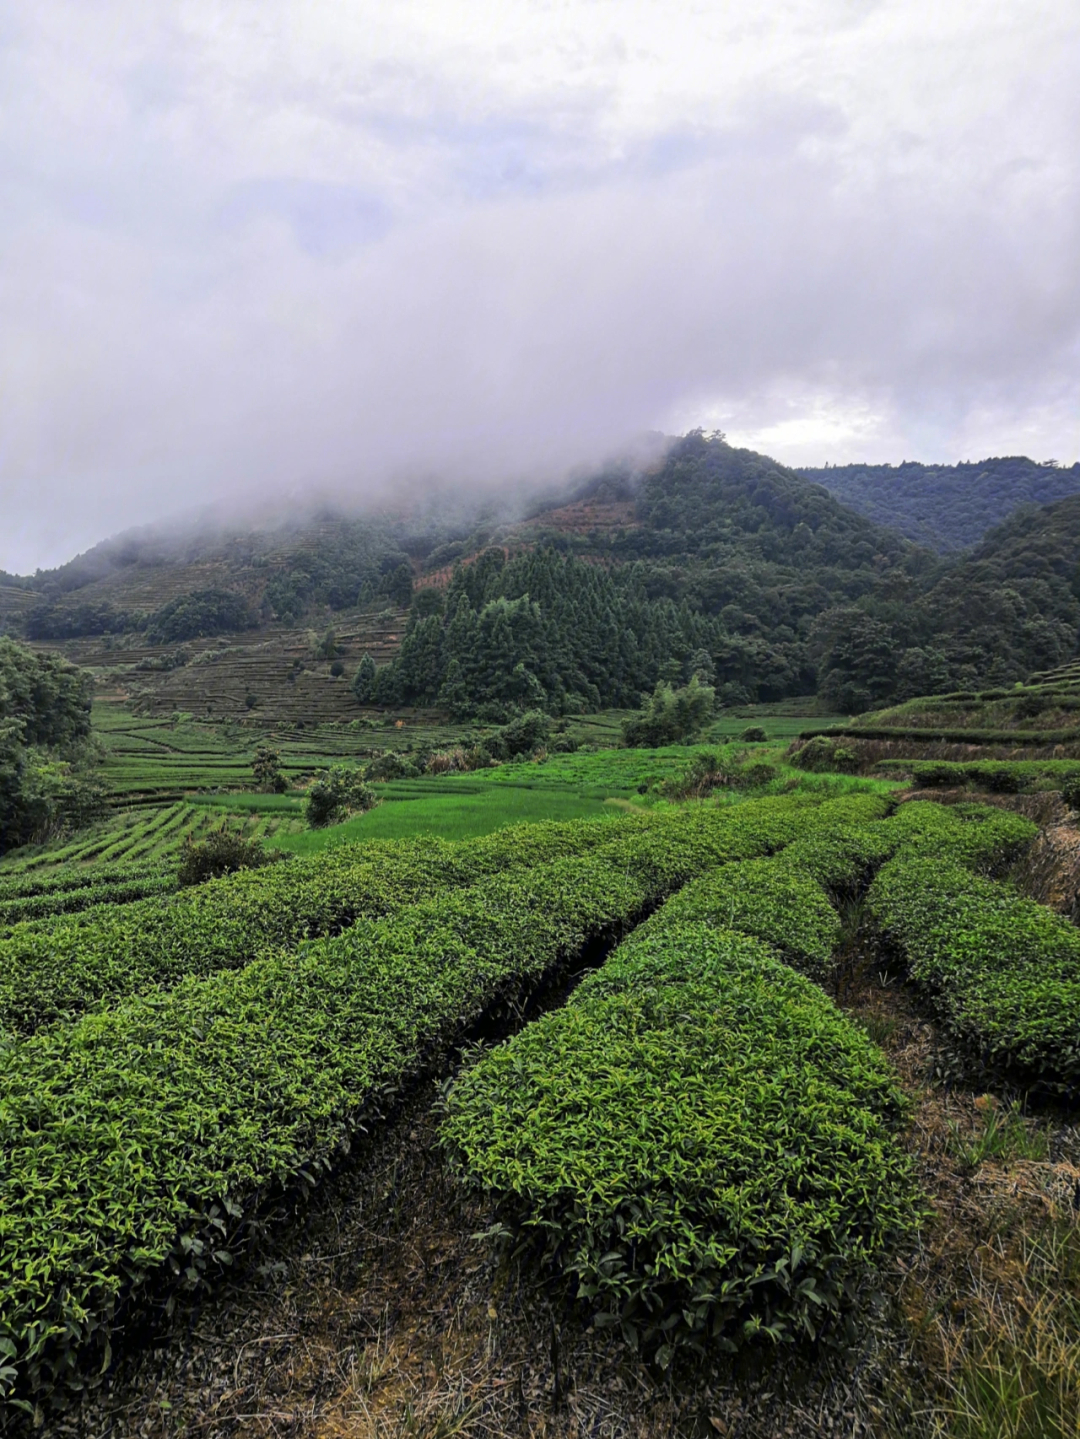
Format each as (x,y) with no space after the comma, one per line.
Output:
(572,1093)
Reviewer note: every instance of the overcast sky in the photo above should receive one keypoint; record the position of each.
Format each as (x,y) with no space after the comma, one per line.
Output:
(349,245)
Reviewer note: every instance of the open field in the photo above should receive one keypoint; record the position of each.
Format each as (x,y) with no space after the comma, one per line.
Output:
(175,778)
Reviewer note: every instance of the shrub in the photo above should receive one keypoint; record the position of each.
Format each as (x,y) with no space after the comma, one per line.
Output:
(704,774)
(1003,972)
(753,734)
(522,736)
(699,1142)
(224,852)
(339,793)
(822,755)
(390,766)
(670,715)
(754,776)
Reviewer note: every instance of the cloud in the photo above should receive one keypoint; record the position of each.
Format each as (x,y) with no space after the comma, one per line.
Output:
(264,250)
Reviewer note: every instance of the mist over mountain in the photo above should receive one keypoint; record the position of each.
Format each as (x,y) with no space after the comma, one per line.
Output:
(712,560)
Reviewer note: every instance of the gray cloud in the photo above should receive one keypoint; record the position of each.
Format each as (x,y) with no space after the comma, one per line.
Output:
(276,252)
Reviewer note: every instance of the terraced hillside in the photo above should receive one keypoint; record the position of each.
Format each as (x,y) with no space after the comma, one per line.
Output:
(1033,721)
(275,675)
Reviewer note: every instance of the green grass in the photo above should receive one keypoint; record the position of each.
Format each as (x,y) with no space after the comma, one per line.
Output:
(463,815)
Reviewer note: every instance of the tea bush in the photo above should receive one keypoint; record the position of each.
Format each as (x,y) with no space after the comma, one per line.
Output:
(700,1142)
(1003,971)
(59,971)
(141,1141)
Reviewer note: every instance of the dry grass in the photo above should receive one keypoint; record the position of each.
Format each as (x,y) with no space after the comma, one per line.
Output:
(988,1305)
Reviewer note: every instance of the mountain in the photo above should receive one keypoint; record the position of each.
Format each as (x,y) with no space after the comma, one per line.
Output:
(946,507)
(710,560)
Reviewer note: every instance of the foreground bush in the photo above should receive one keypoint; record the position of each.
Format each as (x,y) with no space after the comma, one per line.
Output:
(700,1142)
(1003,972)
(143,1139)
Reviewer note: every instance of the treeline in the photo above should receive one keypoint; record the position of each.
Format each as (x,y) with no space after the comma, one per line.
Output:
(334,562)
(540,631)
(46,764)
(948,507)
(723,565)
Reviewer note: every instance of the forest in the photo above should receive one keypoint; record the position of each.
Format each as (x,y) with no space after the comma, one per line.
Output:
(947,507)
(716,561)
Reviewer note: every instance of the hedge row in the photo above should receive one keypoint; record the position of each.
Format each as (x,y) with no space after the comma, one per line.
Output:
(1002,970)
(58,972)
(74,899)
(699,1141)
(979,837)
(1000,776)
(26,884)
(143,1139)
(939,734)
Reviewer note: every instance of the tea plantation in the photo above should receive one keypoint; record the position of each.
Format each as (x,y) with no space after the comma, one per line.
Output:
(672,1123)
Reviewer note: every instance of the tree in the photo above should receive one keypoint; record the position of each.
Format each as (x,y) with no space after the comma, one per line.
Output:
(47,762)
(859,657)
(364,682)
(670,715)
(198,614)
(266,767)
(337,794)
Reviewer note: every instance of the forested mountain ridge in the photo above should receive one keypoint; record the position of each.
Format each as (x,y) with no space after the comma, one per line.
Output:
(947,507)
(713,561)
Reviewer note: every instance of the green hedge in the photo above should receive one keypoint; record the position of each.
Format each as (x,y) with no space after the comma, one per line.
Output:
(30,883)
(699,1141)
(1000,776)
(75,899)
(1003,971)
(146,1137)
(980,837)
(58,972)
(945,734)
(767,899)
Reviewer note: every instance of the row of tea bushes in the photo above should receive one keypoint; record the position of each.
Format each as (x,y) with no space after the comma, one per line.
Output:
(700,1142)
(998,776)
(791,899)
(1003,972)
(75,899)
(979,837)
(145,1138)
(48,973)
(30,884)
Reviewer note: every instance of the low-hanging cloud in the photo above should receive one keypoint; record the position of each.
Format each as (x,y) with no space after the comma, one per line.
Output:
(300,253)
